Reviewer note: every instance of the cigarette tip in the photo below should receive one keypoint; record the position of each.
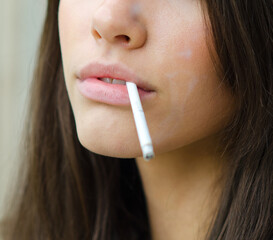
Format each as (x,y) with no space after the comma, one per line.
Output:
(148,152)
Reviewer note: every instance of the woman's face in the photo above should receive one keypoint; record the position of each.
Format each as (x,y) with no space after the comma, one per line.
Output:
(167,50)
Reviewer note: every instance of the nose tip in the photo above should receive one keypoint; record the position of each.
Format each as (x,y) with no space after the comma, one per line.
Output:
(118,24)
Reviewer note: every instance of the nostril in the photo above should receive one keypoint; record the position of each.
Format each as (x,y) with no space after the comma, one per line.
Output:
(123,38)
(96,34)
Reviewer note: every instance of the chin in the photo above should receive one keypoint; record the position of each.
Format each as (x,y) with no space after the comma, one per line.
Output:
(111,149)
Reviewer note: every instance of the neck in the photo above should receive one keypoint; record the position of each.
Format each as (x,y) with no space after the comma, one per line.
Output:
(182,188)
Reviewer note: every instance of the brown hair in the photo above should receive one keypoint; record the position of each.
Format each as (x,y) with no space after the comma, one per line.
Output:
(68,192)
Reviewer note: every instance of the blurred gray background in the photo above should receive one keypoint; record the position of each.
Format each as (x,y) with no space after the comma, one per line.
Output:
(20,29)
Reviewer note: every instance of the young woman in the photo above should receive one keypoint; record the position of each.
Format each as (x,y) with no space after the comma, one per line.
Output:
(204,72)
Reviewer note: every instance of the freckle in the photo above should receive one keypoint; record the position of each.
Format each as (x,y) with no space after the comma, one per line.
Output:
(192,84)
(185,54)
(135,9)
(171,75)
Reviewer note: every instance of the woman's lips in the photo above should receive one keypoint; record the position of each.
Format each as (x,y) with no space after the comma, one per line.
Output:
(114,71)
(113,94)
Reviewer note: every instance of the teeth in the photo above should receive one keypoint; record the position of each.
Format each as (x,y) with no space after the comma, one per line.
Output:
(113,81)
(107,80)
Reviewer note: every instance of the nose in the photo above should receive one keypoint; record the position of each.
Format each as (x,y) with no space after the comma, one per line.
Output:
(117,22)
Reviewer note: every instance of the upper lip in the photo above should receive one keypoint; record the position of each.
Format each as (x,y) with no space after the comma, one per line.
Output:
(115,71)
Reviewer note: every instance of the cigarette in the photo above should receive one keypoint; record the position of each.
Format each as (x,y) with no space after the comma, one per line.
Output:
(140,121)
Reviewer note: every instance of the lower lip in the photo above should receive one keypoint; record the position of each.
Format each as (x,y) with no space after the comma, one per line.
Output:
(114,94)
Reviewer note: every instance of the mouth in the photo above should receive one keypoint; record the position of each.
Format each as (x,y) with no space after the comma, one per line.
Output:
(119,82)
(113,81)
(115,74)
(110,91)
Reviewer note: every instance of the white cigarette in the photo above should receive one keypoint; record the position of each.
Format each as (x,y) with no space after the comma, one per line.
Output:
(140,121)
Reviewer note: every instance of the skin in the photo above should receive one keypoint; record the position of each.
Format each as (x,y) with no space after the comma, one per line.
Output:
(168,49)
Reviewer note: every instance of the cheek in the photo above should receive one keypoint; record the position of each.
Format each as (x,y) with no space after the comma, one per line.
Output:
(74,24)
(66,25)
(74,21)
(196,104)
(201,109)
